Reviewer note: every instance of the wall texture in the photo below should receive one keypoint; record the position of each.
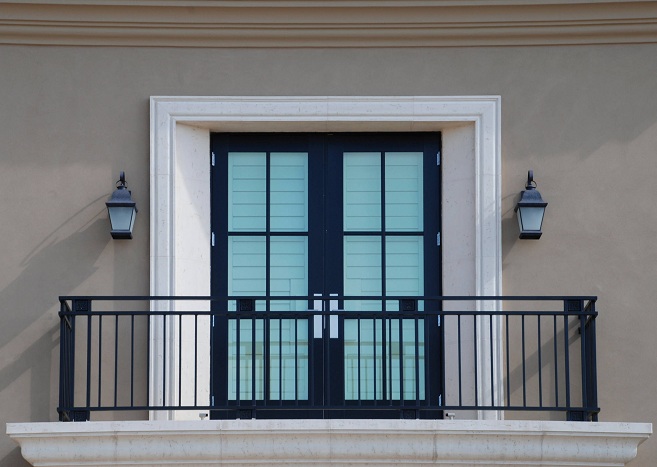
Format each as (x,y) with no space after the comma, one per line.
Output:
(583,117)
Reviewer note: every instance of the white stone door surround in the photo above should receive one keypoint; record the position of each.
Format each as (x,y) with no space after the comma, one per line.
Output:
(180,199)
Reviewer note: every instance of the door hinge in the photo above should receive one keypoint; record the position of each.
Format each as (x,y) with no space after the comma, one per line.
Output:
(438,321)
(212,241)
(437,158)
(213,161)
(438,239)
(440,400)
(212,401)
(212,320)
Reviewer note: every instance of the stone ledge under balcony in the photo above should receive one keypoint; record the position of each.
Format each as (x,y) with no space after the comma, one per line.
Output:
(329,442)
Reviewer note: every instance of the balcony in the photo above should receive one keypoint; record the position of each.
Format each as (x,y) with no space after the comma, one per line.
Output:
(242,380)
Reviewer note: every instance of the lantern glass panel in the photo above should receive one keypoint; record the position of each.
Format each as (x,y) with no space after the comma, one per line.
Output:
(121,217)
(530,218)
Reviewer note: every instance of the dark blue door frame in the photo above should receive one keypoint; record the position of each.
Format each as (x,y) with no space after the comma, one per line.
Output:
(325,259)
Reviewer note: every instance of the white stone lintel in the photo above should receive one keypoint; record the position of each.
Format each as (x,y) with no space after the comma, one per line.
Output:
(324,442)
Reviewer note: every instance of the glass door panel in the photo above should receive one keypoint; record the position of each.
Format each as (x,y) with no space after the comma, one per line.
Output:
(288,364)
(267,256)
(288,192)
(362,191)
(247,195)
(246,367)
(404,269)
(383,219)
(404,191)
(362,271)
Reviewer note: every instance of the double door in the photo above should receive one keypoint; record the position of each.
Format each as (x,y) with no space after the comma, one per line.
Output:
(325,247)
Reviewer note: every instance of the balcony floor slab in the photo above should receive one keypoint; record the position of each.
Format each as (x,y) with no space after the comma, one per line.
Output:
(329,442)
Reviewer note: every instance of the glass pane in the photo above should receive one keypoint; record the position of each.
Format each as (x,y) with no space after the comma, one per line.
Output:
(362,191)
(288,192)
(362,271)
(362,276)
(246,265)
(247,196)
(288,361)
(404,269)
(404,191)
(246,276)
(364,375)
(289,272)
(251,359)
(405,358)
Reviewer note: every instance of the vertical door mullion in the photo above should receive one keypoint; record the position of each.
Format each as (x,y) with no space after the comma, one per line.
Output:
(219,260)
(266,337)
(433,344)
(333,275)
(316,262)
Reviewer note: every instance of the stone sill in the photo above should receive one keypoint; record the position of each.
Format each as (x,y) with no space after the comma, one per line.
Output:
(329,442)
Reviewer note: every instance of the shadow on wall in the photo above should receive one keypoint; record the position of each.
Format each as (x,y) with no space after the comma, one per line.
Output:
(545,367)
(14,459)
(510,229)
(29,333)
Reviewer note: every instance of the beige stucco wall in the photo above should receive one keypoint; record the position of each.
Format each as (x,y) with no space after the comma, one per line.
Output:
(583,117)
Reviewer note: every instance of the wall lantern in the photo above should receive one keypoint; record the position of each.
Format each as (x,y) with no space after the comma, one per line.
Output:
(530,210)
(122,210)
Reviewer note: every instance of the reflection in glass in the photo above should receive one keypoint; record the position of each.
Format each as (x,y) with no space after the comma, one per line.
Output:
(247,196)
(288,203)
(404,191)
(362,191)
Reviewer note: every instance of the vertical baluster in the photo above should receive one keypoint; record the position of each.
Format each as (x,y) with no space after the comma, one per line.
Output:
(374,353)
(476,366)
(540,363)
(180,360)
(591,352)
(566,357)
(401,361)
(238,357)
(296,363)
(116,357)
(417,362)
(492,360)
(164,359)
(360,394)
(582,327)
(460,362)
(556,361)
(384,375)
(508,364)
(254,372)
(280,361)
(524,365)
(196,359)
(100,360)
(132,361)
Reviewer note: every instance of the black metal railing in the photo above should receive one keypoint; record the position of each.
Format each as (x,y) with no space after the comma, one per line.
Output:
(408,357)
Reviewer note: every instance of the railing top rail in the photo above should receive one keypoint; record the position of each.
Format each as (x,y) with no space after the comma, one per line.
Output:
(273,315)
(443,298)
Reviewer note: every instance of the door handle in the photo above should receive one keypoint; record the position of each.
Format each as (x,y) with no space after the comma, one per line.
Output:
(333,319)
(318,320)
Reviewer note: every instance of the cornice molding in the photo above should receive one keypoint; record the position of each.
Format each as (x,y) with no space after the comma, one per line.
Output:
(321,23)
